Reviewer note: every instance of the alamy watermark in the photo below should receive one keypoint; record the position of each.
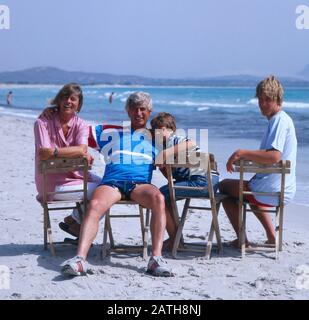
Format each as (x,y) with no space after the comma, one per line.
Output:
(4,277)
(4,17)
(138,147)
(302,21)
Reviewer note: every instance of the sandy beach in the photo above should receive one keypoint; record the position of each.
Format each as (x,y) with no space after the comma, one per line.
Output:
(35,274)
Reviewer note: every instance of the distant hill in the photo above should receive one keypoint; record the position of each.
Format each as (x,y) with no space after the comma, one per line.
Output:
(50,75)
(305,72)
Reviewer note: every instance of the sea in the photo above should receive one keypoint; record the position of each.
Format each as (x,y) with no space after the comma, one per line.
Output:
(227,113)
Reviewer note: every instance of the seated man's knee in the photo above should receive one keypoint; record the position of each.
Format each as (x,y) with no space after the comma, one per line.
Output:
(222,185)
(158,200)
(228,186)
(96,208)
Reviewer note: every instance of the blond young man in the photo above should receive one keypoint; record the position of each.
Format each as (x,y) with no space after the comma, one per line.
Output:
(279,143)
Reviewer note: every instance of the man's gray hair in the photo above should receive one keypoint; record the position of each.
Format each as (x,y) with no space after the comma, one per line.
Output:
(139,99)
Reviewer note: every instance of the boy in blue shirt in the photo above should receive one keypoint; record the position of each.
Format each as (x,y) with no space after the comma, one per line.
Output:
(279,143)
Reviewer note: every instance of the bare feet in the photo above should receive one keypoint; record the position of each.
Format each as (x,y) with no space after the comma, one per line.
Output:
(272,242)
(235,244)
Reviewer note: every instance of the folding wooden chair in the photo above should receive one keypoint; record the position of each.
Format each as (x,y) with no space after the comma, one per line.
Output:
(207,162)
(282,168)
(121,248)
(58,165)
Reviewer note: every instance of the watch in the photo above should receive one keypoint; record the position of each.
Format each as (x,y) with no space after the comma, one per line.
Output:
(56,152)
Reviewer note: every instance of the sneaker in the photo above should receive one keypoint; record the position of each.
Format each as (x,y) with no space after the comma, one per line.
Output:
(157,266)
(76,266)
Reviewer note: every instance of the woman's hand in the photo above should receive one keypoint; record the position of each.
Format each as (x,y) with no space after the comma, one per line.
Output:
(89,159)
(46,153)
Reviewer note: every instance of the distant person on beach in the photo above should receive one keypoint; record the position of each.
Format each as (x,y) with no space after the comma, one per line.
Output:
(279,143)
(9,98)
(110,99)
(63,134)
(129,154)
(164,125)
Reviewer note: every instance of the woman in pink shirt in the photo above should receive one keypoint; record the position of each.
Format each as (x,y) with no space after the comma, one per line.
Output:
(63,134)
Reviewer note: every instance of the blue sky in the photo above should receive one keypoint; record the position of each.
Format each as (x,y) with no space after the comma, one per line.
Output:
(158,38)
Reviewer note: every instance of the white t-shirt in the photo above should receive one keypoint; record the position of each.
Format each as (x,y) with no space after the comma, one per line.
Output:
(280,135)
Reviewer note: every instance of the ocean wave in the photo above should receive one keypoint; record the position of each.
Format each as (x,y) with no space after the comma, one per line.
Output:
(123,95)
(208,104)
(23,114)
(203,109)
(286,104)
(90,92)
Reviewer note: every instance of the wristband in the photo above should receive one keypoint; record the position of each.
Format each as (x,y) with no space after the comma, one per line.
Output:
(56,152)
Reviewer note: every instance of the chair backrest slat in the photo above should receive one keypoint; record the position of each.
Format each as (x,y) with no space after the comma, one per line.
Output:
(60,165)
(193,159)
(283,166)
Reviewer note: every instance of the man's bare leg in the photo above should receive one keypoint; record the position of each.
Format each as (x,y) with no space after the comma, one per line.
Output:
(103,198)
(231,207)
(266,222)
(150,197)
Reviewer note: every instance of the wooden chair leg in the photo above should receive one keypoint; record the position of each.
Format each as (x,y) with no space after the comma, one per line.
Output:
(214,228)
(281,228)
(243,231)
(217,228)
(45,227)
(106,230)
(277,241)
(180,228)
(209,241)
(146,235)
(142,222)
(50,235)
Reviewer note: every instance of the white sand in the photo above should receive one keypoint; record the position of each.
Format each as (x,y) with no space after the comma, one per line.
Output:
(34,273)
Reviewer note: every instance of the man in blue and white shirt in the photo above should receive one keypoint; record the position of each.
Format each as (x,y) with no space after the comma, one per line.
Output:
(129,155)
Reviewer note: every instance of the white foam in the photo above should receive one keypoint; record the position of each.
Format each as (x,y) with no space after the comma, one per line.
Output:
(253,101)
(286,104)
(16,113)
(90,92)
(208,104)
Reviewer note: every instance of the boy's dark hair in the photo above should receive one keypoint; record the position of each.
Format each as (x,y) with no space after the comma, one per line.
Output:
(163,119)
(66,91)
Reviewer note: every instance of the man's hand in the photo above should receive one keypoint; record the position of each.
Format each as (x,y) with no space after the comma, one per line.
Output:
(232,159)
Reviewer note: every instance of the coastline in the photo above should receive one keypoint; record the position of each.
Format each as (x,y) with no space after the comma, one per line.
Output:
(34,273)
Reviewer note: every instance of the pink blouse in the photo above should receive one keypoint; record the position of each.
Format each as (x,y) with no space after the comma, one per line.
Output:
(49,134)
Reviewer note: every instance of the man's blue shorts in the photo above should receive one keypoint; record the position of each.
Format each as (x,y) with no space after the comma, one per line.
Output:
(125,187)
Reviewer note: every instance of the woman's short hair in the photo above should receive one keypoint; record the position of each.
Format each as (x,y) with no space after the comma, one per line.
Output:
(66,91)
(163,119)
(272,88)
(139,99)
